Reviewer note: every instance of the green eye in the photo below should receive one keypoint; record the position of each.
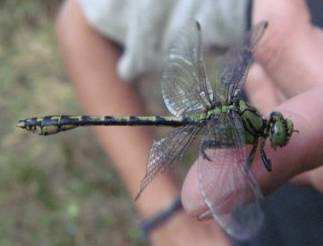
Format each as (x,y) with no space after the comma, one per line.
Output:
(280,131)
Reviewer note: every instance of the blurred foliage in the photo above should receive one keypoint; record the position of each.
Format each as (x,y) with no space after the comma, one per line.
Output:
(57,190)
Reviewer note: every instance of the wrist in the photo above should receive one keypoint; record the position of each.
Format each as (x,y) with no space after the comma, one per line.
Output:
(174,224)
(161,219)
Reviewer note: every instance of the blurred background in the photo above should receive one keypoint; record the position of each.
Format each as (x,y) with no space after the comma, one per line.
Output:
(59,190)
(54,190)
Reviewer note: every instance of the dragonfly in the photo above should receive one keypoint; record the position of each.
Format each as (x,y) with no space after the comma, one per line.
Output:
(230,130)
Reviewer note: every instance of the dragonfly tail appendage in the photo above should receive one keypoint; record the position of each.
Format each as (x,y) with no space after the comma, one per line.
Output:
(48,125)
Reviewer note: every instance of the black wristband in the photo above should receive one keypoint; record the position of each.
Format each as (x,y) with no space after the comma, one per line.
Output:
(159,219)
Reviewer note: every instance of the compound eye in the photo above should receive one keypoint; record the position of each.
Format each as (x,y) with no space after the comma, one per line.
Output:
(273,114)
(276,115)
(279,135)
(272,130)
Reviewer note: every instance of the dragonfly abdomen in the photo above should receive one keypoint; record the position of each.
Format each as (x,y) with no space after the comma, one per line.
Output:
(49,125)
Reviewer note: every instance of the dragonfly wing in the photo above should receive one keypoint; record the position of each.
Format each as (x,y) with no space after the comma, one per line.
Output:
(229,189)
(234,67)
(164,152)
(185,86)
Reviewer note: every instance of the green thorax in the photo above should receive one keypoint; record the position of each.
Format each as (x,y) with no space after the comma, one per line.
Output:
(255,126)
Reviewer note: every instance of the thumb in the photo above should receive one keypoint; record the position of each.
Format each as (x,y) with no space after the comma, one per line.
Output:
(303,152)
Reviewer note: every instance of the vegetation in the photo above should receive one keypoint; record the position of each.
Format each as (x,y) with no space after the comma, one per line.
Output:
(57,190)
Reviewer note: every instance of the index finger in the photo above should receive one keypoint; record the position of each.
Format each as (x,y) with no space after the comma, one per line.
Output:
(303,152)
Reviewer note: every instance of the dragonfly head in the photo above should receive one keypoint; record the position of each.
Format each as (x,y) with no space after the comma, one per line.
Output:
(280,129)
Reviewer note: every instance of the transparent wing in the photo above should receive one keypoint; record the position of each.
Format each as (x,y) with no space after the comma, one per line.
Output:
(185,86)
(165,151)
(234,67)
(230,190)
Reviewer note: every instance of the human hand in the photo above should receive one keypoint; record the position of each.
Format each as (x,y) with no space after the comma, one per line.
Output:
(184,230)
(287,78)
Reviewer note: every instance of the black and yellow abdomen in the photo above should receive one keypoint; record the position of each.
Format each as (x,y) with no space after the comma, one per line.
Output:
(49,125)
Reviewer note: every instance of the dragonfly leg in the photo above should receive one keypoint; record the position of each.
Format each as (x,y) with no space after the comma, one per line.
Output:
(203,147)
(251,155)
(212,144)
(209,144)
(265,160)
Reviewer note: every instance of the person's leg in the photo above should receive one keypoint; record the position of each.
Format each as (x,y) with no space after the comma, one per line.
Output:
(91,62)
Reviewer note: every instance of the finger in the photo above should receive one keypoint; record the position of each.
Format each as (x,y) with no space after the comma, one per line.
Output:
(303,152)
(312,178)
(291,50)
(261,91)
(192,198)
(301,179)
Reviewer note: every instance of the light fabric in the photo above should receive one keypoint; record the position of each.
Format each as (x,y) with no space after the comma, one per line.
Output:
(143,27)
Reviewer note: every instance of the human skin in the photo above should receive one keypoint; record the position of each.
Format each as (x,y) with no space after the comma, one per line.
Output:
(90,60)
(288,78)
(293,74)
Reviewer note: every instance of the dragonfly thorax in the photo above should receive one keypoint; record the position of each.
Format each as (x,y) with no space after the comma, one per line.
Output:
(255,126)
(278,129)
(215,111)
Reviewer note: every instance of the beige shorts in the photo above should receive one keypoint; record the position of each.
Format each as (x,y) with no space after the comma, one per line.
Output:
(143,27)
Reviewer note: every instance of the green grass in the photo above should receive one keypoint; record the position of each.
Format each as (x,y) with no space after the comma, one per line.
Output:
(57,190)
